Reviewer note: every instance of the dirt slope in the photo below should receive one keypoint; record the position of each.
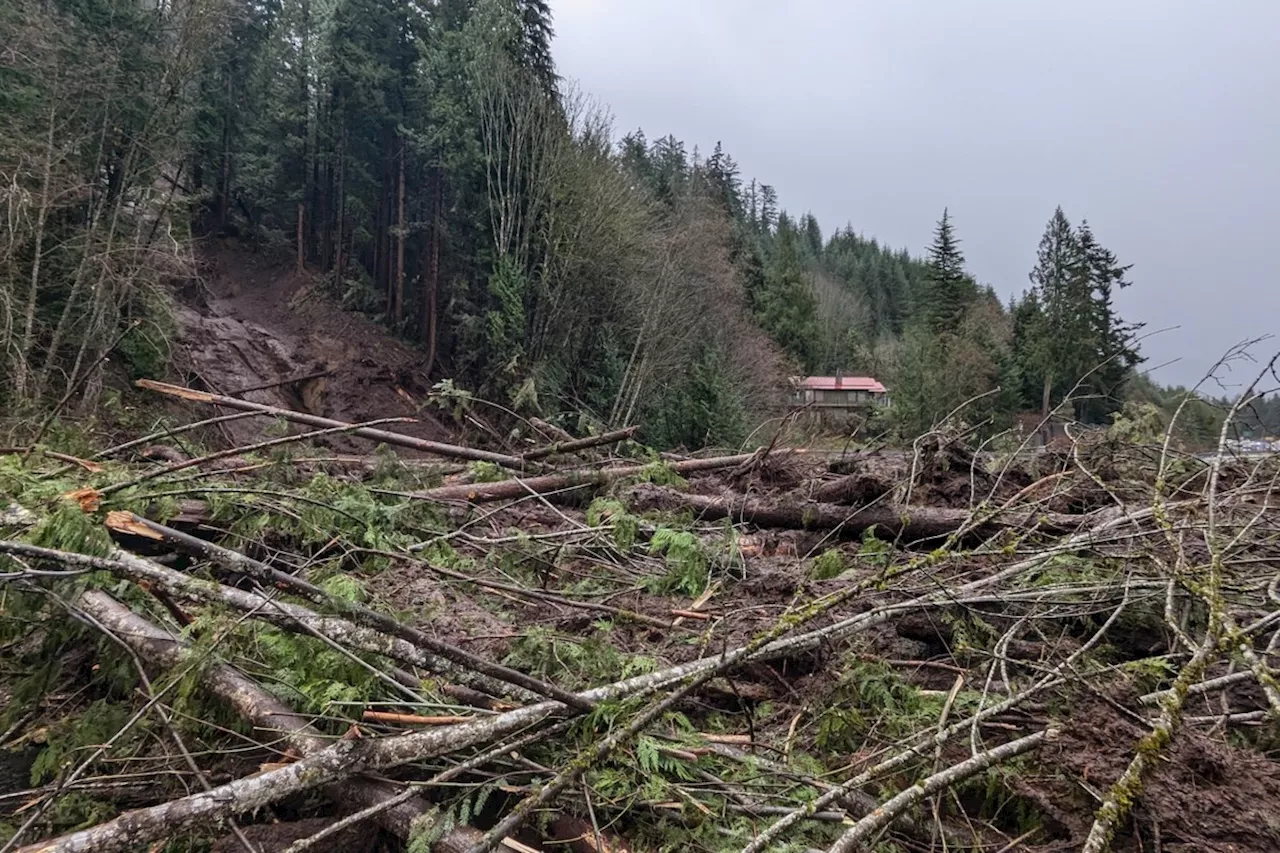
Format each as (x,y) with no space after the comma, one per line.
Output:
(249,322)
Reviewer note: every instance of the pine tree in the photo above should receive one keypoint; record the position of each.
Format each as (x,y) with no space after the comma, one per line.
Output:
(768,208)
(1062,288)
(812,234)
(534,52)
(1115,352)
(724,183)
(950,291)
(785,305)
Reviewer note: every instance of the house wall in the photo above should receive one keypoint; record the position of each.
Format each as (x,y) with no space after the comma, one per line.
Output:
(841,398)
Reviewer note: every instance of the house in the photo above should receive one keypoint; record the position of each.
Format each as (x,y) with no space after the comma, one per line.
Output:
(837,392)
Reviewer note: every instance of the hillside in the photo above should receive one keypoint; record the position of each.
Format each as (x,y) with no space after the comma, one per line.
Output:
(245,322)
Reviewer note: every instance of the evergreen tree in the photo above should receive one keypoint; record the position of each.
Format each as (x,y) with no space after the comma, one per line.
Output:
(534,51)
(812,234)
(785,304)
(949,290)
(768,208)
(1062,289)
(724,182)
(1116,353)
(1068,336)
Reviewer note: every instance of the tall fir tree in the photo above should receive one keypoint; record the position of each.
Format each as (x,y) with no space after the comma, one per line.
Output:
(1116,352)
(950,291)
(1061,285)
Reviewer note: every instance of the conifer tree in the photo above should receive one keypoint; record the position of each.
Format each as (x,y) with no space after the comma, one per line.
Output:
(949,289)
(768,208)
(1115,353)
(1061,285)
(785,304)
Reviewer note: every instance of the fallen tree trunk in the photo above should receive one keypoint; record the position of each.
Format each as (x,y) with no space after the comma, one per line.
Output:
(576,444)
(437,448)
(292,617)
(569,481)
(917,521)
(264,711)
(854,489)
(187,544)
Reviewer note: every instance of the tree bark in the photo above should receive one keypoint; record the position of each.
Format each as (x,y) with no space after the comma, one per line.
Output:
(264,711)
(917,522)
(399,312)
(301,251)
(571,480)
(23,361)
(432,279)
(453,451)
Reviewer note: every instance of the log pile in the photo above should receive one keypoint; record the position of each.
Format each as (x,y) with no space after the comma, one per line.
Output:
(733,652)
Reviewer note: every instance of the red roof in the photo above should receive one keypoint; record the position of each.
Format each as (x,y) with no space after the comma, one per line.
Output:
(840,383)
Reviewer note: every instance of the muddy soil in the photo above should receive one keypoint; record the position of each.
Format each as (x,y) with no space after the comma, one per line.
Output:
(248,322)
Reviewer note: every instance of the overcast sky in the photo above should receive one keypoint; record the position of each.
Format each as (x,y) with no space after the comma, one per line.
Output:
(1158,121)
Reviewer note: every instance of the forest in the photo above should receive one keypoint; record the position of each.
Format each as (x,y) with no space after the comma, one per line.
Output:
(431,165)
(396,455)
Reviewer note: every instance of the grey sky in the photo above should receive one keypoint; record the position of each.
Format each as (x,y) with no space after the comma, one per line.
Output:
(1158,121)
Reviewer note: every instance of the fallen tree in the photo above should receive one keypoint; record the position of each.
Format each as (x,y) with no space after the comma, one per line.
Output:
(238,562)
(395,439)
(570,481)
(158,649)
(917,522)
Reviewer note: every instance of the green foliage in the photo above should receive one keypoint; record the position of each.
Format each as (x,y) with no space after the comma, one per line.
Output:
(325,508)
(575,663)
(144,349)
(704,408)
(486,472)
(69,740)
(66,527)
(829,564)
(344,587)
(1149,674)
(311,675)
(950,290)
(868,694)
(970,632)
(784,301)
(873,550)
(688,566)
(625,525)
(1069,339)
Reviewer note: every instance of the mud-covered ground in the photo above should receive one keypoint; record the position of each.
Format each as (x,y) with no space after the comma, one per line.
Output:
(245,322)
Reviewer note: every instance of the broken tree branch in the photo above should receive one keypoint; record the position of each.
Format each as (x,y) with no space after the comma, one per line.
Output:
(237,562)
(396,439)
(570,480)
(857,835)
(560,448)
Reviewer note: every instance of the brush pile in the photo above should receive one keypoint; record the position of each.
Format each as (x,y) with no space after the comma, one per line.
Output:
(581,644)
